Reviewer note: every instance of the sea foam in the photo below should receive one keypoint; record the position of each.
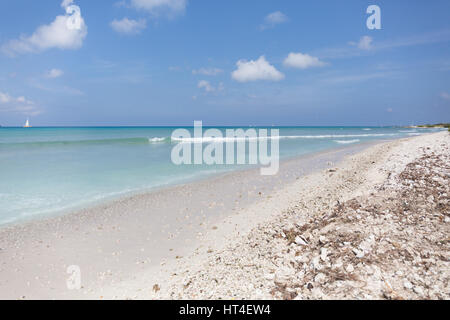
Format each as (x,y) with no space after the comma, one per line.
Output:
(347,141)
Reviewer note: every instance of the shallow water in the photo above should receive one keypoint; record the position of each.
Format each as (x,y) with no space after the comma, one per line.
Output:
(50,170)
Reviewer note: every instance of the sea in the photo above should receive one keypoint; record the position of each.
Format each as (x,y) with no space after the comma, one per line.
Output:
(51,170)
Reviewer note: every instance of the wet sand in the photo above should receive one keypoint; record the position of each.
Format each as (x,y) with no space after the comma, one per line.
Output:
(114,242)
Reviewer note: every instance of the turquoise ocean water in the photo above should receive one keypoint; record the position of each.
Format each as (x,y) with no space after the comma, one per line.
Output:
(51,170)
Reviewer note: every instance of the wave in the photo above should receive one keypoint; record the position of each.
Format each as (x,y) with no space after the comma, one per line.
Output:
(158,140)
(233,139)
(222,139)
(347,135)
(347,141)
(367,129)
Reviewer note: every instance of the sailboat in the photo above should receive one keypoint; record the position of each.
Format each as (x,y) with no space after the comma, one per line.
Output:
(27,124)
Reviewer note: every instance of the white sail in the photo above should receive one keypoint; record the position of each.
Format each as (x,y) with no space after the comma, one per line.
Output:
(27,124)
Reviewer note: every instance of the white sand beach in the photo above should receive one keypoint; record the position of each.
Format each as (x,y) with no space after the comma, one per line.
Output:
(364,221)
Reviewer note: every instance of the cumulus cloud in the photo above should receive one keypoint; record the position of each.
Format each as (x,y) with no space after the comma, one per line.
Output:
(256,70)
(128,26)
(17,105)
(203,84)
(157,7)
(365,43)
(207,71)
(302,61)
(54,73)
(65,32)
(274,18)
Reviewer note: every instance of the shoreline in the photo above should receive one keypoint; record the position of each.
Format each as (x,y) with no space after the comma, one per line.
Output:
(317,247)
(132,233)
(246,257)
(39,198)
(127,196)
(113,243)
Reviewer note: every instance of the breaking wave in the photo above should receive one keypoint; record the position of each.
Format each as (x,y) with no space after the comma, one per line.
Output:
(347,141)
(160,140)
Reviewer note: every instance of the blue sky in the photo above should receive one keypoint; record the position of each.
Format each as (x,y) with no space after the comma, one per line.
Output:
(169,62)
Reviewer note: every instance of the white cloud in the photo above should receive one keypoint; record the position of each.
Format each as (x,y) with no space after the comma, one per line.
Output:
(65,32)
(4,98)
(160,6)
(17,105)
(203,84)
(128,26)
(54,73)
(274,18)
(256,70)
(207,71)
(302,61)
(445,95)
(66,3)
(365,43)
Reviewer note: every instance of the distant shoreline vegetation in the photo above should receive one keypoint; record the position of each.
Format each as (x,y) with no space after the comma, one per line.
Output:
(437,125)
